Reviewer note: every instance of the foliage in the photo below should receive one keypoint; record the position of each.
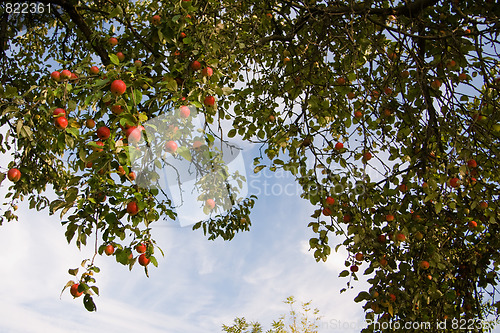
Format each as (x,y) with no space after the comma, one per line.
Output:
(298,323)
(409,88)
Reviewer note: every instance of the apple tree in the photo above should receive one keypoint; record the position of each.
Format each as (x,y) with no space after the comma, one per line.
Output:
(385,112)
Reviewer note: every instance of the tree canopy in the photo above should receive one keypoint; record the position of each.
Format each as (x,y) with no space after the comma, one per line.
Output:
(385,112)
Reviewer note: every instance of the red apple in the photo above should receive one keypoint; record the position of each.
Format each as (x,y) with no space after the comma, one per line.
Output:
(351,95)
(99,143)
(210,203)
(118,87)
(195,65)
(454,182)
(73,290)
(403,188)
(209,101)
(462,76)
(138,63)
(347,218)
(185,112)
(65,74)
(436,84)
(113,41)
(483,205)
(329,201)
(207,71)
(400,237)
(131,175)
(354,268)
(405,74)
(117,109)
(389,217)
(94,70)
(424,264)
(120,56)
(14,175)
(359,256)
(339,146)
(472,224)
(367,156)
(61,122)
(121,171)
(383,262)
(59,111)
(143,261)
(451,64)
(392,298)
(141,248)
(471,163)
(358,114)
(171,146)
(197,144)
(155,20)
(103,133)
(109,250)
(132,208)
(133,134)
(341,81)
(56,76)
(327,211)
(381,238)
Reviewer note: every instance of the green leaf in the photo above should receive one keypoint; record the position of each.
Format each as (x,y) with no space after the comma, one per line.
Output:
(19,126)
(114,59)
(184,152)
(231,133)
(362,296)
(171,84)
(95,290)
(73,271)
(26,132)
(56,204)
(71,194)
(117,11)
(258,168)
(138,96)
(439,207)
(153,261)
(344,273)
(89,304)
(75,132)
